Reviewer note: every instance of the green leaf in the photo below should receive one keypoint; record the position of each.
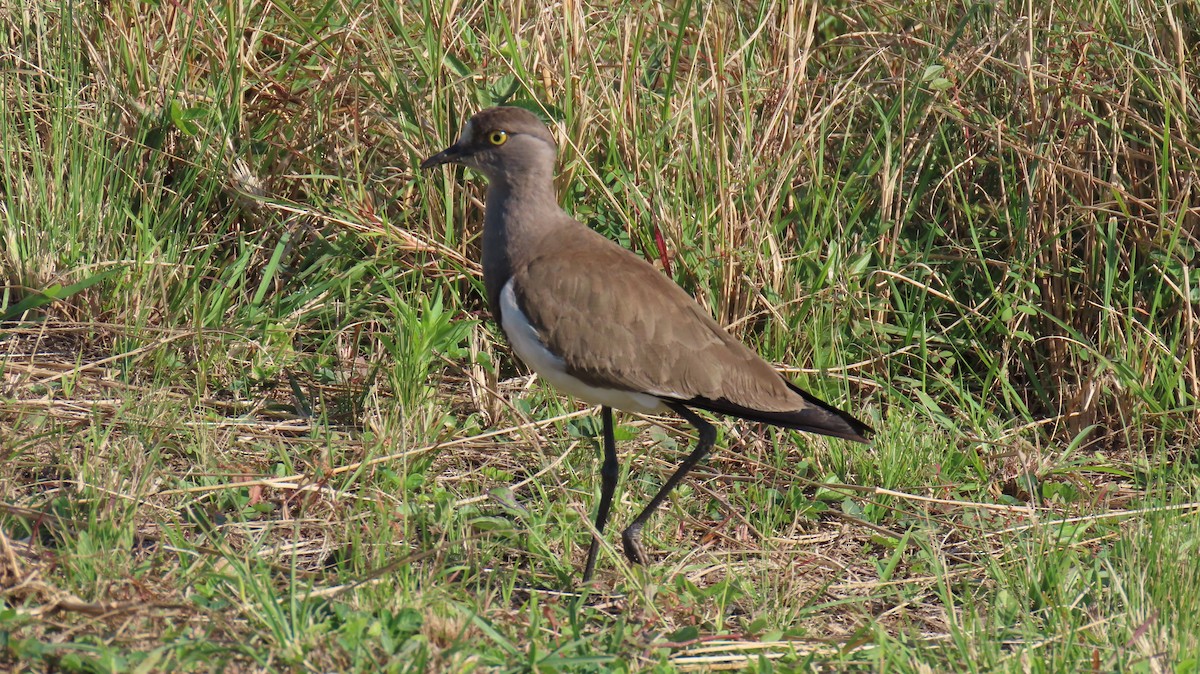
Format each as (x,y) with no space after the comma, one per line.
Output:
(503,89)
(932,72)
(56,292)
(183,118)
(488,523)
(451,61)
(827,494)
(683,634)
(271,268)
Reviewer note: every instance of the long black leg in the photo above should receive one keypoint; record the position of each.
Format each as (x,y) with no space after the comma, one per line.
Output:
(708,436)
(609,471)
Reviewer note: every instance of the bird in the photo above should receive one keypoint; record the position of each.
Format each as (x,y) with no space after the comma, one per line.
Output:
(602,324)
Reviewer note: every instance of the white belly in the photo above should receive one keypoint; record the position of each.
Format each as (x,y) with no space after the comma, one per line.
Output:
(529,347)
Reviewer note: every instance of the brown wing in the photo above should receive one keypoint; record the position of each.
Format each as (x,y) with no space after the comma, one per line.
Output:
(617,322)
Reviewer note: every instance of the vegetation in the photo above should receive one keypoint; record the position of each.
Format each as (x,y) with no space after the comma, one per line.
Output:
(253,417)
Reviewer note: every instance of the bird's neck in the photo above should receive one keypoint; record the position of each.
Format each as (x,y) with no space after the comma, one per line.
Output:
(530,189)
(518,214)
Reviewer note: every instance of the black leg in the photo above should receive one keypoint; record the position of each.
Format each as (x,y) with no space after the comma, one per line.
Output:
(708,436)
(609,471)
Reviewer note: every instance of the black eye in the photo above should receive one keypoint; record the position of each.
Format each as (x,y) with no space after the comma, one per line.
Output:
(497,137)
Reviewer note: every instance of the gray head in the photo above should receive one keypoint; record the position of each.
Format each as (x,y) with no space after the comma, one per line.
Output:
(502,143)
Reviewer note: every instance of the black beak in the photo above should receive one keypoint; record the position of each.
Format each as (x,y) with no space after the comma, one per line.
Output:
(449,155)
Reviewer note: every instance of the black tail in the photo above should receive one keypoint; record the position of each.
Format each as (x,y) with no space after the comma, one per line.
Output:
(820,418)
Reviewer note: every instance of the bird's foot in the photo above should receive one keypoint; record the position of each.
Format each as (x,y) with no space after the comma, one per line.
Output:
(634,551)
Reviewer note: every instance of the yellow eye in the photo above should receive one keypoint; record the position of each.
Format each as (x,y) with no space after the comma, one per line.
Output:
(497,137)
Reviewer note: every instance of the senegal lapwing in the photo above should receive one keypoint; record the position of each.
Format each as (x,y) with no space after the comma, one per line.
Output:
(602,324)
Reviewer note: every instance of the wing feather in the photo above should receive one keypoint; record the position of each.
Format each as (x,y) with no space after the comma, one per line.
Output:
(617,322)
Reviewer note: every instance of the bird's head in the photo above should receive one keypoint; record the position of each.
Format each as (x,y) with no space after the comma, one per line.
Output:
(501,143)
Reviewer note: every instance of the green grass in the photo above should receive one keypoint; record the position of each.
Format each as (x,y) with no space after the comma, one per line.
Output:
(253,416)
